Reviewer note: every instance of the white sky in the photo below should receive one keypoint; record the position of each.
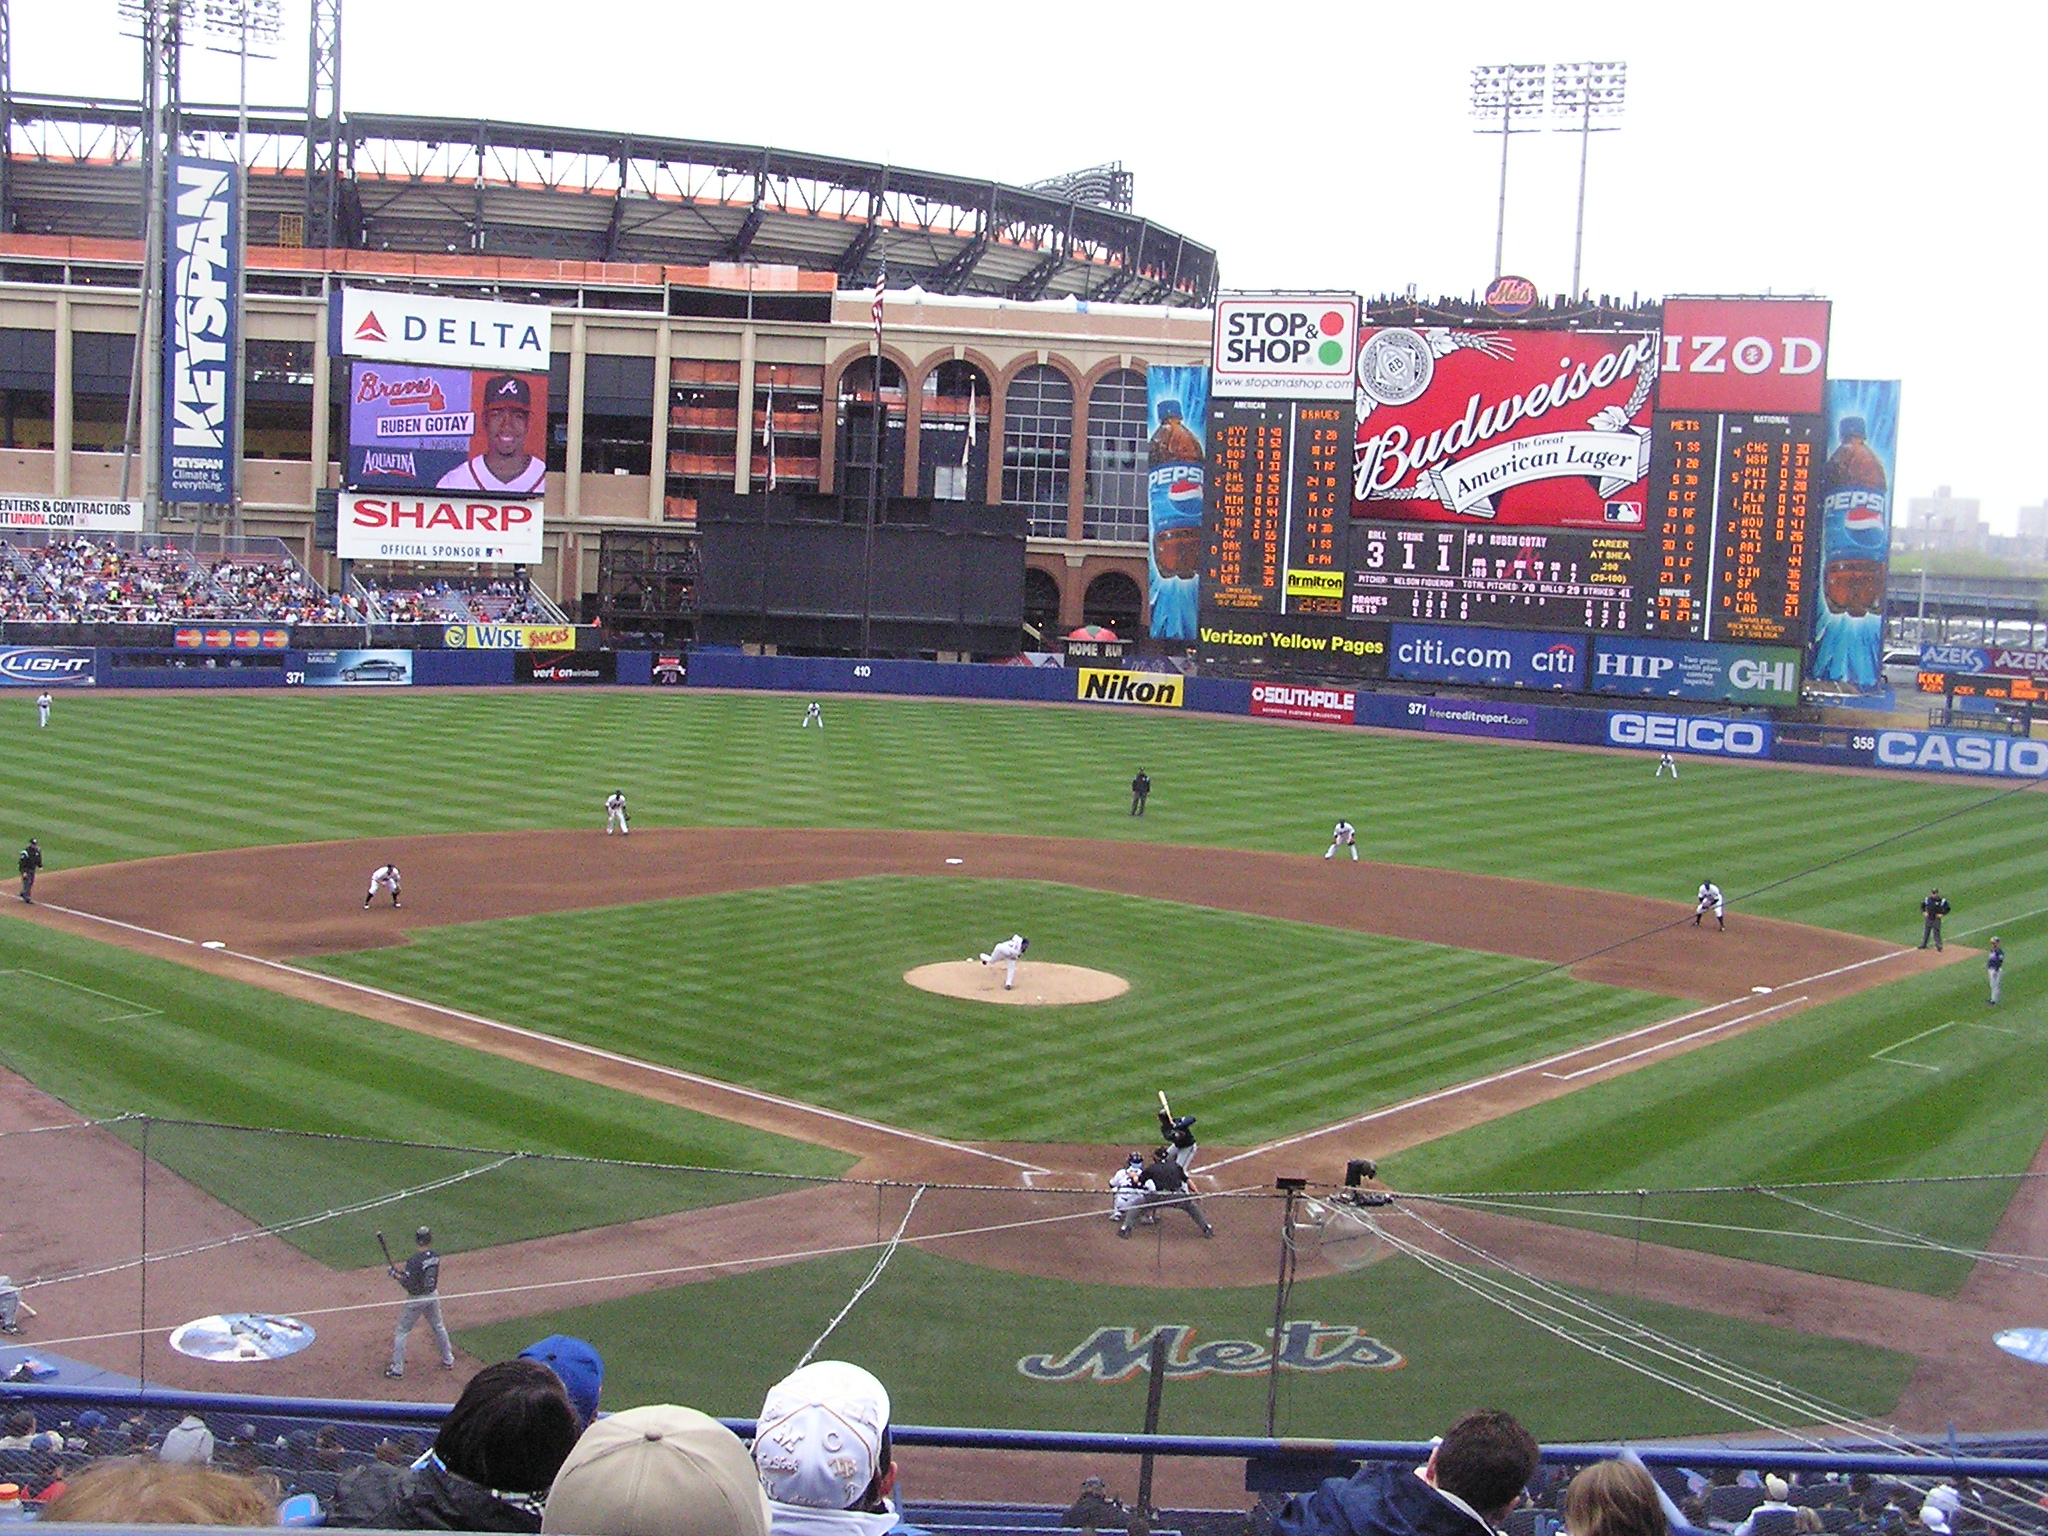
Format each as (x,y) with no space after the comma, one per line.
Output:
(1886,155)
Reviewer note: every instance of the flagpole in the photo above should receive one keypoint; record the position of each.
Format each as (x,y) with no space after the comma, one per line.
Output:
(867,532)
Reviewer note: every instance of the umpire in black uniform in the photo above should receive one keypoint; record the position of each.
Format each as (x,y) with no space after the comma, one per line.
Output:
(1933,909)
(30,861)
(1166,1184)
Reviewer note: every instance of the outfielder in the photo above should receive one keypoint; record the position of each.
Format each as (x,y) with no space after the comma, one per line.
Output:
(421,1280)
(1710,901)
(1345,836)
(383,878)
(43,709)
(814,716)
(615,814)
(1664,762)
(1010,951)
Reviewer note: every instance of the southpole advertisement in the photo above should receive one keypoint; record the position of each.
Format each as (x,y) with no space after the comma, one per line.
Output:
(1539,427)
(201,276)
(1177,414)
(1856,532)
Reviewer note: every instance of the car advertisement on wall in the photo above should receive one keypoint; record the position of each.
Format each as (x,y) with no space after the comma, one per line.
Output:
(356,669)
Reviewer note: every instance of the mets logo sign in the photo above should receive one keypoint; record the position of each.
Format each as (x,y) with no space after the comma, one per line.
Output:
(1102,685)
(1118,1354)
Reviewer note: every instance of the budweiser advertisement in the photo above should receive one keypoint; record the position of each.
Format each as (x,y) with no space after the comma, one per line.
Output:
(1767,356)
(439,527)
(1544,428)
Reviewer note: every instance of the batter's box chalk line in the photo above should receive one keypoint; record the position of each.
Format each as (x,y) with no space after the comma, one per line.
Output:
(1883,1053)
(137,1010)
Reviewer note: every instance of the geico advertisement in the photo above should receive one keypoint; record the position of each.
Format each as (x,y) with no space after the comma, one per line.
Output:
(1956,752)
(1161,690)
(1678,669)
(1499,658)
(460,528)
(1690,733)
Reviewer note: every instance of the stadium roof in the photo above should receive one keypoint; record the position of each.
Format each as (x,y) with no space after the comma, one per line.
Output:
(476,187)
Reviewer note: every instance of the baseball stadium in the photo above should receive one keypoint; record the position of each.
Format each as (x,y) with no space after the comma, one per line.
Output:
(1616,1074)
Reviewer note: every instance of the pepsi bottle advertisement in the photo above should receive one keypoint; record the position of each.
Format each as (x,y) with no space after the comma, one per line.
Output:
(1177,422)
(1856,532)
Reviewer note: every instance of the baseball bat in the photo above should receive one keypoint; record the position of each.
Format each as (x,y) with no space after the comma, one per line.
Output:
(26,1309)
(1165,1108)
(389,1263)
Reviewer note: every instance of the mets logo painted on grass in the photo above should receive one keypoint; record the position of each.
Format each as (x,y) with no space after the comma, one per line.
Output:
(1101,685)
(1118,1354)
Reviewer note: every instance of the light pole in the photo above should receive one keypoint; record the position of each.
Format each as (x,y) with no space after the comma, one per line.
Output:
(1590,98)
(1504,98)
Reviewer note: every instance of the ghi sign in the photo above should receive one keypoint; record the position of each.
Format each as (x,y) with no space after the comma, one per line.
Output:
(1284,346)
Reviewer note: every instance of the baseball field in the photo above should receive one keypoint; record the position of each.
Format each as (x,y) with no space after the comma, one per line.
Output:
(672,1092)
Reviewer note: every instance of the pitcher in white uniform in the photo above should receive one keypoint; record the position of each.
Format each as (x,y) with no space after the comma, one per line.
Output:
(1010,951)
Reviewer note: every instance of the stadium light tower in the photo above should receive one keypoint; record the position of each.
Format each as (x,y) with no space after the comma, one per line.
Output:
(1590,98)
(1504,98)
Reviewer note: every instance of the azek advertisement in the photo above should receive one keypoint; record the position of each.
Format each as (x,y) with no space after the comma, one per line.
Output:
(1856,531)
(463,333)
(1497,658)
(436,527)
(1682,669)
(1177,417)
(201,246)
(1550,428)
(421,428)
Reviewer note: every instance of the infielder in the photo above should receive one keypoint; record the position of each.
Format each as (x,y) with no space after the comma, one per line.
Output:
(1010,951)
(421,1280)
(43,710)
(1710,901)
(1345,836)
(814,716)
(383,878)
(1664,762)
(30,861)
(1127,1188)
(615,814)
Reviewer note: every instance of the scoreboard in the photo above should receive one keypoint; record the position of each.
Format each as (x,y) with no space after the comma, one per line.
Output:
(1518,577)
(1278,506)
(1734,528)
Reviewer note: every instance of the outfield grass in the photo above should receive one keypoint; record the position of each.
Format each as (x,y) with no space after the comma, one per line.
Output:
(800,990)
(1843,1092)
(109,1031)
(719,1345)
(121,776)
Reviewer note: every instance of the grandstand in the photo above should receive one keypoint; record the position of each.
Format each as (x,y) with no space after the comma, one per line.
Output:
(160,579)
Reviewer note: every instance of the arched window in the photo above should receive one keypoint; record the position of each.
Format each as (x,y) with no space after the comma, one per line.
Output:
(857,430)
(1115,500)
(1038,443)
(952,439)
(1041,609)
(1113,600)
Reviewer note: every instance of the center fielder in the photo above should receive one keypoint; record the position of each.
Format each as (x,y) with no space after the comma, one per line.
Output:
(615,813)
(1344,836)
(383,878)
(1010,951)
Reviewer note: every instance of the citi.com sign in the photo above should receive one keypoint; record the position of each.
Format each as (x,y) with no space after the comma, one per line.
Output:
(1284,346)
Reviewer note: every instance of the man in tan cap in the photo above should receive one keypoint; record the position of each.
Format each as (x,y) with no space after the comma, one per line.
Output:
(822,1449)
(657,1471)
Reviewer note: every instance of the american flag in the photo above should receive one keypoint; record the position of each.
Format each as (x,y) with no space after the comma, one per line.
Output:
(967,448)
(769,435)
(881,285)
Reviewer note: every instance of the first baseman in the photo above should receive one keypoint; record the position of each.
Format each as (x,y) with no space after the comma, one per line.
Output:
(1710,901)
(615,813)
(1344,836)
(1010,951)
(383,878)
(421,1281)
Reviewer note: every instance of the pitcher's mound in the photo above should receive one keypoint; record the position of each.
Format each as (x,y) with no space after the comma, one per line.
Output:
(1038,982)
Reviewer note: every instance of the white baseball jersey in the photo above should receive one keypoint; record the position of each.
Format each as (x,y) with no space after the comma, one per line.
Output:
(615,803)
(1127,1188)
(475,475)
(1011,948)
(384,877)
(1344,835)
(1710,898)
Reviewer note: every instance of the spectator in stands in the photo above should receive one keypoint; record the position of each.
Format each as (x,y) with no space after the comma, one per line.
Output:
(490,1467)
(1777,1499)
(1095,1510)
(21,1428)
(189,1441)
(1614,1498)
(579,1367)
(1472,1479)
(131,1491)
(814,1489)
(1806,1521)
(658,1471)
(328,1452)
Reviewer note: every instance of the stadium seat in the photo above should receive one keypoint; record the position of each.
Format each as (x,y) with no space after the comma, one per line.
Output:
(1732,1504)
(1772,1522)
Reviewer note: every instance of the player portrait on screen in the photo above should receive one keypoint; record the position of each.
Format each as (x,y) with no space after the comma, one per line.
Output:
(506,464)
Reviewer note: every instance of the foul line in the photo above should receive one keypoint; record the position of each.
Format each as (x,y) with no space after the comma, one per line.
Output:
(1882,1053)
(1549,1061)
(1665,1045)
(599,1054)
(141,1010)
(116,922)
(1990,927)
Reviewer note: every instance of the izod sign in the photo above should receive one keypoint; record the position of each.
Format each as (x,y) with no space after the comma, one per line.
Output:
(1276,346)
(1767,356)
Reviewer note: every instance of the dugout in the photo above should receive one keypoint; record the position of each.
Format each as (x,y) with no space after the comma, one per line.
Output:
(807,573)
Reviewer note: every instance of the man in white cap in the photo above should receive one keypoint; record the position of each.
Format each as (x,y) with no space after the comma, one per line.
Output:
(1777,1495)
(823,1453)
(657,1471)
